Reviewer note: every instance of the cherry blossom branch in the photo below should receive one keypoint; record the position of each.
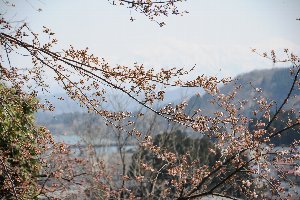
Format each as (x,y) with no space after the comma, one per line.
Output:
(285,100)
(10,179)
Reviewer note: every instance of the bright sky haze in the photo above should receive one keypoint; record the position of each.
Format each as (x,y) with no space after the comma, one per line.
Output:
(216,35)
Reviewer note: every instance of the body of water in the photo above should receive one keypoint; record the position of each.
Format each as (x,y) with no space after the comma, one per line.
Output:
(77,145)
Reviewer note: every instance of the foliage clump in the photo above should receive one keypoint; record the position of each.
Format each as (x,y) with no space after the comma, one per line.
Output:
(189,151)
(21,144)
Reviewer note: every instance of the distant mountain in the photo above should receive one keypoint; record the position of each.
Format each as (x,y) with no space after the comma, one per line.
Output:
(274,84)
(116,101)
(71,119)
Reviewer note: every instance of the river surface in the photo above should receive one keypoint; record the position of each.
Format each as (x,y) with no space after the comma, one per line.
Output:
(77,145)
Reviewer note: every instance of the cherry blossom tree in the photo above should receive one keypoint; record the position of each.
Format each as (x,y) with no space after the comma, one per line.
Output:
(85,77)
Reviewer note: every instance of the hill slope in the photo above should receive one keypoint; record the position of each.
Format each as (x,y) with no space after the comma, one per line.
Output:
(274,83)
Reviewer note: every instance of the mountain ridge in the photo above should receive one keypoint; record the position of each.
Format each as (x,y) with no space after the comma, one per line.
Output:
(274,84)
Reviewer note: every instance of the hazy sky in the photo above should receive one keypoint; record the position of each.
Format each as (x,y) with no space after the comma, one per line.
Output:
(216,34)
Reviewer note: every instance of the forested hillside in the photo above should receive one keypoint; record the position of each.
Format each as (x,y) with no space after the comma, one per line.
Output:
(273,84)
